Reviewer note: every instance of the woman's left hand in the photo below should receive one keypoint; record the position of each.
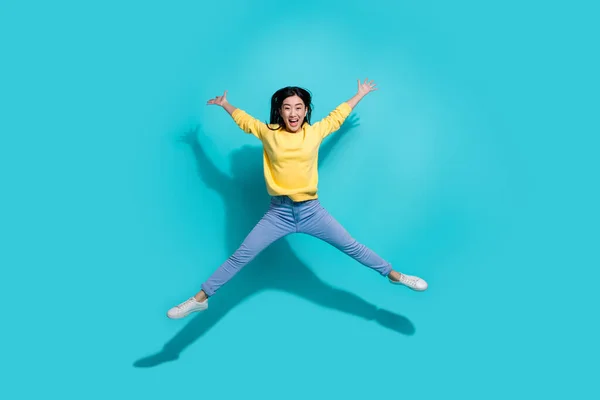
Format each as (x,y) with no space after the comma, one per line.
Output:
(366,87)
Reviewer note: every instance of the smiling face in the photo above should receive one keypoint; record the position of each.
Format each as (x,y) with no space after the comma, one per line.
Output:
(293,111)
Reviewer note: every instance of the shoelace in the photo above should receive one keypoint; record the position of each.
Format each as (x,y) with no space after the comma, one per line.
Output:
(410,281)
(186,303)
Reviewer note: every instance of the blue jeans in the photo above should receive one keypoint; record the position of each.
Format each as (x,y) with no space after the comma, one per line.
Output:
(285,217)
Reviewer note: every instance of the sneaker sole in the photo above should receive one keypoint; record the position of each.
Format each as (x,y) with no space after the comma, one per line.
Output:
(186,314)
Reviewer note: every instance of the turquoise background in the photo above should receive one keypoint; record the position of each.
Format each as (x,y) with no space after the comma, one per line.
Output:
(473,166)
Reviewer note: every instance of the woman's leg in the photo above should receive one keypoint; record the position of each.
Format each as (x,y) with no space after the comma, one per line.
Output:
(274,225)
(316,221)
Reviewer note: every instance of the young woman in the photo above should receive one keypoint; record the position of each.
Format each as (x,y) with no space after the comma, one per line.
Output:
(291,146)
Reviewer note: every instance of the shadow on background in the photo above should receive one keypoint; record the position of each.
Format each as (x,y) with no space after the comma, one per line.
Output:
(277,267)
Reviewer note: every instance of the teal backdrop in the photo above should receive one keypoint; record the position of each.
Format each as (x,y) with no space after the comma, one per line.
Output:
(473,166)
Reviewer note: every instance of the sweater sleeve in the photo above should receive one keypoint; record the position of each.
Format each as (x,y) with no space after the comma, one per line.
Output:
(333,121)
(249,124)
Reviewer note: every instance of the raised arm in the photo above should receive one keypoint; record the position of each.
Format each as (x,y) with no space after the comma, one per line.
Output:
(245,121)
(336,118)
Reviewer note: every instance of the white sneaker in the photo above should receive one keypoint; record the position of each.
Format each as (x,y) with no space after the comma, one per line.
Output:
(413,282)
(187,307)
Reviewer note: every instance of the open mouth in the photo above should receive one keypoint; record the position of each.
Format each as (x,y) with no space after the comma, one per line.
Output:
(293,122)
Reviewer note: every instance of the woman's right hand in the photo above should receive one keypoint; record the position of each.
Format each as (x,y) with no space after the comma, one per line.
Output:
(219,100)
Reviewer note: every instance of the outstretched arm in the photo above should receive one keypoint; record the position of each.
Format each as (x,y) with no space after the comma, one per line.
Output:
(336,118)
(245,121)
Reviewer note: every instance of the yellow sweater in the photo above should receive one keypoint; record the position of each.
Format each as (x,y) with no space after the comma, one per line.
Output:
(290,159)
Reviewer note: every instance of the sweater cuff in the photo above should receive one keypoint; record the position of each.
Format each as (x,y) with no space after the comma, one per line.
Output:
(345,108)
